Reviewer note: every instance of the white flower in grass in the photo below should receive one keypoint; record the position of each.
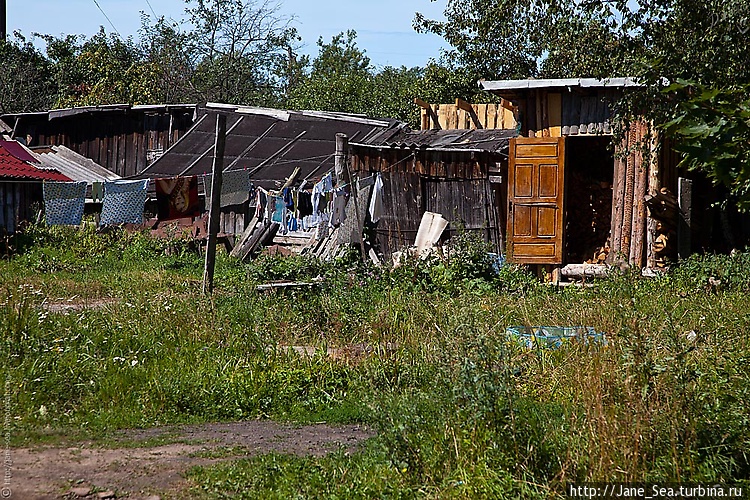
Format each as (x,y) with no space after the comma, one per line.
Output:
(133,362)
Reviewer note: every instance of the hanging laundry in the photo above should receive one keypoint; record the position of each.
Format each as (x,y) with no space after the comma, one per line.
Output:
(286,193)
(304,204)
(177,197)
(97,192)
(123,202)
(279,209)
(376,202)
(63,203)
(235,187)
(261,199)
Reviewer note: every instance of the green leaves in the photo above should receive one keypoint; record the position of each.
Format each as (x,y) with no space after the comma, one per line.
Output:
(713,133)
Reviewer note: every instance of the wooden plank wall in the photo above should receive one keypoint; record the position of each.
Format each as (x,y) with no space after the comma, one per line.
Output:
(485,116)
(123,142)
(18,202)
(452,185)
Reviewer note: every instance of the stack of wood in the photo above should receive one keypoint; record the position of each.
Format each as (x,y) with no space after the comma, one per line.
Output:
(599,255)
(590,219)
(664,209)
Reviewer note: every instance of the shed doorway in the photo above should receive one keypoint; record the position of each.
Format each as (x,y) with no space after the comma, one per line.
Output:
(588,207)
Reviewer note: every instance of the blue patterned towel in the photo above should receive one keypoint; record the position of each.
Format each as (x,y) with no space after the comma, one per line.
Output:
(63,203)
(123,202)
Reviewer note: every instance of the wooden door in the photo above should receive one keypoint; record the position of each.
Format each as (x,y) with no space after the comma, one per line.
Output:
(536,185)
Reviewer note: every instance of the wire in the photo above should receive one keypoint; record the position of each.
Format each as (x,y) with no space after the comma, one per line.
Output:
(152,10)
(108,19)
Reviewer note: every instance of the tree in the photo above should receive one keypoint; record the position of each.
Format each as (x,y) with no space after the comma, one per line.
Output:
(342,79)
(713,131)
(169,54)
(25,77)
(240,45)
(102,70)
(506,39)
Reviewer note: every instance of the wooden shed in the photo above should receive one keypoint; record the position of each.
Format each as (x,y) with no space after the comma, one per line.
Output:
(122,138)
(457,173)
(572,196)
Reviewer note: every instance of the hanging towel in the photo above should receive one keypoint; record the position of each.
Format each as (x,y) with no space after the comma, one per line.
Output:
(177,197)
(279,209)
(123,202)
(63,203)
(235,187)
(376,202)
(97,192)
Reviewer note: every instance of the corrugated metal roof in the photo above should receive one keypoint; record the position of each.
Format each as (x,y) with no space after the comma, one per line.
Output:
(479,140)
(558,82)
(268,143)
(73,165)
(14,163)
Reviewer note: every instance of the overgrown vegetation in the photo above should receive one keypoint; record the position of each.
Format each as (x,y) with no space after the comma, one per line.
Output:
(461,410)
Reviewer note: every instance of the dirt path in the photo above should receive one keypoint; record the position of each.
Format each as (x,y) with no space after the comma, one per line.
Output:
(136,471)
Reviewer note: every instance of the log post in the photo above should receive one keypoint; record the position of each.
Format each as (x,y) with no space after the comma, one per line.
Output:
(639,203)
(342,152)
(215,211)
(627,202)
(654,185)
(618,195)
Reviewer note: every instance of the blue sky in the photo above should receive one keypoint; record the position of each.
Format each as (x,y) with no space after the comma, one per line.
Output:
(383,26)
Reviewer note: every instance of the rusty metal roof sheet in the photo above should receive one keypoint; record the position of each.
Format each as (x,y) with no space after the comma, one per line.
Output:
(268,143)
(478,140)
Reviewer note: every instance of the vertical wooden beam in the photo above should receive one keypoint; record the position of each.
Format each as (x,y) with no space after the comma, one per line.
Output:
(555,114)
(342,153)
(627,201)
(654,184)
(618,195)
(215,211)
(538,126)
(685,224)
(639,203)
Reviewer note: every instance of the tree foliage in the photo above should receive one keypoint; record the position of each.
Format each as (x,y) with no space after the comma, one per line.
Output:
(25,81)
(342,79)
(713,128)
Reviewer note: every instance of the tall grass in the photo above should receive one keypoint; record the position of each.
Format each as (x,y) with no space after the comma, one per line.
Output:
(461,409)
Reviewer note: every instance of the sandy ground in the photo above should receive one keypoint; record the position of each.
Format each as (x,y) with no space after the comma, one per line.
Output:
(136,470)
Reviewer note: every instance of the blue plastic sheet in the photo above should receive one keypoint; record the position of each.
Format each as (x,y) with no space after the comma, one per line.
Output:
(554,337)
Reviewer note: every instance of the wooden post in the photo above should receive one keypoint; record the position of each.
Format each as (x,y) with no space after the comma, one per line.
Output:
(684,226)
(618,195)
(215,211)
(639,203)
(342,153)
(627,215)
(653,188)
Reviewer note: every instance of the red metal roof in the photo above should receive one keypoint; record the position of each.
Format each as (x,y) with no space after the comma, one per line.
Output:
(14,163)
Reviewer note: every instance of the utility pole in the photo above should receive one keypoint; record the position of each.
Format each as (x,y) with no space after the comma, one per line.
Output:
(3,19)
